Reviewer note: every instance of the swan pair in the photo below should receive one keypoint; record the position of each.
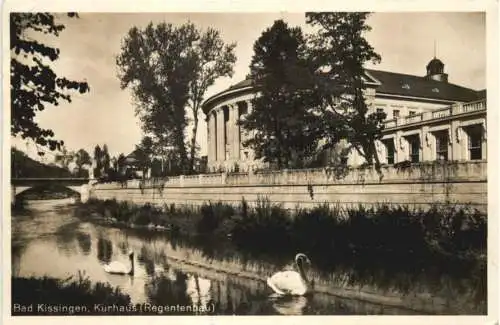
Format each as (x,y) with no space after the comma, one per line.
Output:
(282,283)
(116,267)
(293,283)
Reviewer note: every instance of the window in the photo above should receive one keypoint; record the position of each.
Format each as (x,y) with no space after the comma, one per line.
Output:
(390,151)
(442,143)
(411,113)
(395,113)
(414,146)
(380,110)
(475,134)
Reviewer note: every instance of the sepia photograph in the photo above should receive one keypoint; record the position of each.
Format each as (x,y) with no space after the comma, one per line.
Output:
(247,163)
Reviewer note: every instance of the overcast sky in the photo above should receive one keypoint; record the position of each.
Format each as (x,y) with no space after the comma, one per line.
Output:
(89,45)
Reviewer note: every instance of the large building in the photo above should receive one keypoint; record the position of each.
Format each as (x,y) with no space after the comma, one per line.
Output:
(428,119)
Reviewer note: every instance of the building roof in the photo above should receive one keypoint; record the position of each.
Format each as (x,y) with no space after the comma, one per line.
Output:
(435,64)
(392,83)
(416,86)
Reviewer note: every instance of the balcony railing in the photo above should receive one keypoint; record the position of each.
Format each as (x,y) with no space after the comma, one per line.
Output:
(453,110)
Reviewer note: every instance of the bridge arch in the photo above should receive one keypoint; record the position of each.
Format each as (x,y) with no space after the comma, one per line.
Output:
(78,185)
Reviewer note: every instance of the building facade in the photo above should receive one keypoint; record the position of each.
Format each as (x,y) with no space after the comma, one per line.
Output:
(428,119)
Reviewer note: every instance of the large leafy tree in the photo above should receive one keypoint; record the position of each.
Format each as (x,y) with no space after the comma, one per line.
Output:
(338,52)
(82,158)
(34,85)
(285,129)
(169,69)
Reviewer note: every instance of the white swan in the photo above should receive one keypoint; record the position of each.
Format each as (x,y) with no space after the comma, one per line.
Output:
(116,267)
(290,282)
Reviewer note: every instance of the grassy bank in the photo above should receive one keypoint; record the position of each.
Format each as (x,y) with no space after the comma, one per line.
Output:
(385,232)
(49,296)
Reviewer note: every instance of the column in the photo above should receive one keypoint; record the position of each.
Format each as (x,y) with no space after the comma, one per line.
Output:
(212,138)
(235,134)
(426,138)
(250,134)
(456,139)
(399,147)
(221,146)
(209,140)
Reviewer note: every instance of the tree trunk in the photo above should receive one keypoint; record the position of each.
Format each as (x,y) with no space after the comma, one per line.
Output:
(193,142)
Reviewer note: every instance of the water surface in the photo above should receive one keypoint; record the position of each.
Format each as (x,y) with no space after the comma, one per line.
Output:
(50,241)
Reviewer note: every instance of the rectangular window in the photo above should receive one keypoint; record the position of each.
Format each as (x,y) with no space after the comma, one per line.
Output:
(380,110)
(475,134)
(395,113)
(442,143)
(414,146)
(390,151)
(411,113)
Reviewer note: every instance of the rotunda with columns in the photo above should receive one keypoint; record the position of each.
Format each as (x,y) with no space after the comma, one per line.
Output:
(428,118)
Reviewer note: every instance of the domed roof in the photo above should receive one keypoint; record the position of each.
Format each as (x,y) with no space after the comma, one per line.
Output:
(435,64)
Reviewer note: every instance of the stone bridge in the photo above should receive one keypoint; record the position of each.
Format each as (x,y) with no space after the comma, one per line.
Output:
(79,185)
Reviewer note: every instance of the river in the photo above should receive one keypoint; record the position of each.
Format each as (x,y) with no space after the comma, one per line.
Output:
(49,240)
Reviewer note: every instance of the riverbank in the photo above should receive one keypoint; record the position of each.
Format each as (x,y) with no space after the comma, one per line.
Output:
(387,231)
(444,246)
(432,287)
(50,296)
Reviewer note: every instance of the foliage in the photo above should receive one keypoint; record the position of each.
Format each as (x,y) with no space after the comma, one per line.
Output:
(82,158)
(24,166)
(388,231)
(68,292)
(34,84)
(102,161)
(441,249)
(144,154)
(286,131)
(312,95)
(338,51)
(169,69)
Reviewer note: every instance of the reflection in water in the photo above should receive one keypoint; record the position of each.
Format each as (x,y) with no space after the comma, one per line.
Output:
(164,272)
(85,243)
(104,250)
(198,289)
(289,305)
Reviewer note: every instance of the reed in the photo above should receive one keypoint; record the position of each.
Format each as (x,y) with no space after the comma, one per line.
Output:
(64,294)
(384,231)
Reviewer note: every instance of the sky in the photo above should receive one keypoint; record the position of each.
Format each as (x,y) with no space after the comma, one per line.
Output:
(106,115)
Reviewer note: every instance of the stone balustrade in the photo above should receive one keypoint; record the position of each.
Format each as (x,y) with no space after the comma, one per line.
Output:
(452,110)
(423,172)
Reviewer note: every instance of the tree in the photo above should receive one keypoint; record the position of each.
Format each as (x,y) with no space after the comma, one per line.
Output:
(105,159)
(34,84)
(120,163)
(23,166)
(144,154)
(98,161)
(338,52)
(102,160)
(169,69)
(285,128)
(82,158)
